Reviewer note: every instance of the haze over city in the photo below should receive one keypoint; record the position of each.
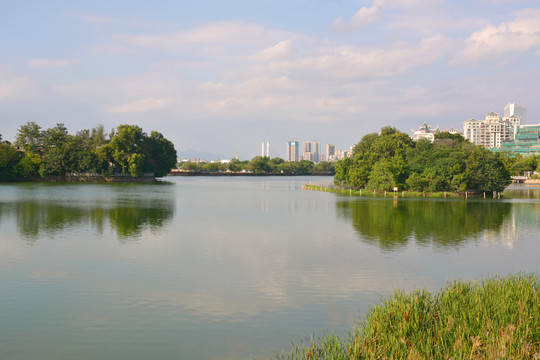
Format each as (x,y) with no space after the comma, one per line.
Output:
(222,76)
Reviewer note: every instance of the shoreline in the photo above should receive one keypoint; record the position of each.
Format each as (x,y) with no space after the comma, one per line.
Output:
(202,173)
(400,194)
(96,179)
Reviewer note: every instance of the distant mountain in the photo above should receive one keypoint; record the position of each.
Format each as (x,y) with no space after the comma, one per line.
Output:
(194,154)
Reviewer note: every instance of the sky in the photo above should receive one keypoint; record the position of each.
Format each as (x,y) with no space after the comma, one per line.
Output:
(223,76)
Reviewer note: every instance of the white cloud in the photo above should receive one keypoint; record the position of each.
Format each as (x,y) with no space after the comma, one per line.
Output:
(220,33)
(51,63)
(352,64)
(363,17)
(497,43)
(281,50)
(95,19)
(143,105)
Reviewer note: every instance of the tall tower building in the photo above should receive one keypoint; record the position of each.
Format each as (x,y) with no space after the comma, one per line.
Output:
(515,109)
(316,151)
(307,151)
(330,152)
(292,150)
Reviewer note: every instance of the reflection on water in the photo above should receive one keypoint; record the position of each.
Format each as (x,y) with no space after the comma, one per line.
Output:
(225,267)
(61,212)
(392,224)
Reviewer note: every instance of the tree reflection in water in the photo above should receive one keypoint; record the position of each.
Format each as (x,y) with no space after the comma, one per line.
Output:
(391,224)
(127,218)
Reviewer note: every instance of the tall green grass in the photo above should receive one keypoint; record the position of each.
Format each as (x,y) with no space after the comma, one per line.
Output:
(497,318)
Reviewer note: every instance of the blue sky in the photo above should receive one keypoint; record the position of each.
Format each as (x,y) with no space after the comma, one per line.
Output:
(222,76)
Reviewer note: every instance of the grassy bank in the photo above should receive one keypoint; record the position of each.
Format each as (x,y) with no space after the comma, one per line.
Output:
(398,194)
(498,318)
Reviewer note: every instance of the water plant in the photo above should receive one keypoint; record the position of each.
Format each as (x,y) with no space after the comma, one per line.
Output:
(497,318)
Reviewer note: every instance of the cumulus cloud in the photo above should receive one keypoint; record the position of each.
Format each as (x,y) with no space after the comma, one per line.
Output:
(142,105)
(281,50)
(352,63)
(363,17)
(51,63)
(495,43)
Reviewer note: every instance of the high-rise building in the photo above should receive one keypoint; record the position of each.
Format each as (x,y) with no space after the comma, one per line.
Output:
(307,150)
(315,154)
(330,152)
(292,151)
(492,131)
(514,109)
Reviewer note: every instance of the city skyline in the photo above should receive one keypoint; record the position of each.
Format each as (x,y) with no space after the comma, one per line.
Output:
(217,76)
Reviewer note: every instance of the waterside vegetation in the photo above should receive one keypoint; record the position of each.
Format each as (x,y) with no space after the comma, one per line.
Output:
(259,165)
(497,318)
(52,153)
(391,159)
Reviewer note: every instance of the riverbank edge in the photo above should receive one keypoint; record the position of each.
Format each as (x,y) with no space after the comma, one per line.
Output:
(398,194)
(85,179)
(202,173)
(497,317)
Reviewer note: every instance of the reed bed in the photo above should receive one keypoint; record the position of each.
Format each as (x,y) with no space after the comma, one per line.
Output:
(497,318)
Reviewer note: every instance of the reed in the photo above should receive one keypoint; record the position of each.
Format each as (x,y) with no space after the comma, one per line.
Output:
(497,318)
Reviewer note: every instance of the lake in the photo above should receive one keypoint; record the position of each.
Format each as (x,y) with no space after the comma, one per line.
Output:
(230,268)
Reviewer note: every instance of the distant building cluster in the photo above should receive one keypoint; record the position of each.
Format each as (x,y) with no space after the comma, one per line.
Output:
(510,133)
(312,151)
(495,130)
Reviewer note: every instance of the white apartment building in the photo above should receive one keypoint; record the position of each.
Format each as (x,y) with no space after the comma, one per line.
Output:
(492,131)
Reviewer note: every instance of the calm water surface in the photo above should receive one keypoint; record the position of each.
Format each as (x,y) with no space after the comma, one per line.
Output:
(229,268)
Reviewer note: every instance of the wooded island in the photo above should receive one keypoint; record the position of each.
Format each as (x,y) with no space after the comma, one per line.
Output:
(53,153)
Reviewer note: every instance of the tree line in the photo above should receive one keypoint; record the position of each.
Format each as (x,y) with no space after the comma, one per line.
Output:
(262,165)
(51,152)
(382,161)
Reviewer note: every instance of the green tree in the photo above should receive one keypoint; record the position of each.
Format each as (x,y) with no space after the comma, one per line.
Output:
(323,167)
(52,163)
(55,137)
(29,137)
(191,166)
(136,164)
(260,165)
(212,167)
(9,157)
(98,136)
(28,166)
(160,154)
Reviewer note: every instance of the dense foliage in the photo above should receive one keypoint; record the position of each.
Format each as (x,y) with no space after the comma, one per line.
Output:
(498,318)
(55,152)
(263,165)
(391,159)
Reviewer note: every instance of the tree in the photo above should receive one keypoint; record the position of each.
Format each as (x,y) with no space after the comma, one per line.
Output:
(213,167)
(28,166)
(29,137)
(136,165)
(8,159)
(98,136)
(260,165)
(190,166)
(52,163)
(323,167)
(160,154)
(55,137)
(446,135)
